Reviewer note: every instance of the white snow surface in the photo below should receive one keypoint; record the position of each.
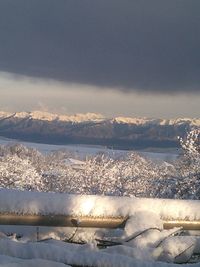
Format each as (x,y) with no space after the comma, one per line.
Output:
(118,256)
(7,261)
(47,116)
(25,202)
(84,151)
(142,242)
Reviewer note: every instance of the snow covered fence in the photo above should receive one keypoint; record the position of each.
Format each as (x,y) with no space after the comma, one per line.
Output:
(62,221)
(79,207)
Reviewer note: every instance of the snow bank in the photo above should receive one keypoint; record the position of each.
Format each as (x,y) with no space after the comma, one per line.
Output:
(23,202)
(7,261)
(138,222)
(120,256)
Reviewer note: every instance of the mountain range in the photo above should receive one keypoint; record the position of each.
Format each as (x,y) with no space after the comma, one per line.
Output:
(95,129)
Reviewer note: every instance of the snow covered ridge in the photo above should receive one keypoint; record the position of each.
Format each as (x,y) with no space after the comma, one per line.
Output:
(37,203)
(93,117)
(47,116)
(143,121)
(95,129)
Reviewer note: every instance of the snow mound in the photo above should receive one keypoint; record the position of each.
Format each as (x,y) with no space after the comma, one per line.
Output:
(24,202)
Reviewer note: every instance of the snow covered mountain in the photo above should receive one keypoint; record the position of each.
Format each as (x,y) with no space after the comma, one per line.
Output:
(91,128)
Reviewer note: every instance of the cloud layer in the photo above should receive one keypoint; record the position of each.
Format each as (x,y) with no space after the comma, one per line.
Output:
(130,45)
(20,93)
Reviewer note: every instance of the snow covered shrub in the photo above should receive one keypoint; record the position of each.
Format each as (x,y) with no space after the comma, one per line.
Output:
(182,180)
(130,175)
(20,150)
(127,175)
(26,168)
(188,166)
(191,154)
(19,173)
(24,153)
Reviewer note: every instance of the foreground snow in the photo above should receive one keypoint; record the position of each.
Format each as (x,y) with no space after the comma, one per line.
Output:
(142,242)
(52,254)
(24,202)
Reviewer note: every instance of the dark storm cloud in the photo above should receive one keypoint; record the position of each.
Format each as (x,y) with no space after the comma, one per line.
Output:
(151,45)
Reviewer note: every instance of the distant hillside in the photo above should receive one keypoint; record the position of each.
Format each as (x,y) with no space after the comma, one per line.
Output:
(90,128)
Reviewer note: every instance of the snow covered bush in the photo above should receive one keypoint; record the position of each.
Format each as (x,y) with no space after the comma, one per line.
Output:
(26,168)
(191,154)
(183,180)
(130,175)
(19,173)
(188,166)
(127,175)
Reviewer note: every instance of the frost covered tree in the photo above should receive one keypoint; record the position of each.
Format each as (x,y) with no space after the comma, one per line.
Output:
(19,173)
(183,180)
(26,168)
(126,175)
(188,166)
(129,175)
(191,153)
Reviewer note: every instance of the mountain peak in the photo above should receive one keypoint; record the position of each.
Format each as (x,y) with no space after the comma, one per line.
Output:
(97,117)
(92,128)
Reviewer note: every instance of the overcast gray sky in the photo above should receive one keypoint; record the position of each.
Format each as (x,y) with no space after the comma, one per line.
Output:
(128,57)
